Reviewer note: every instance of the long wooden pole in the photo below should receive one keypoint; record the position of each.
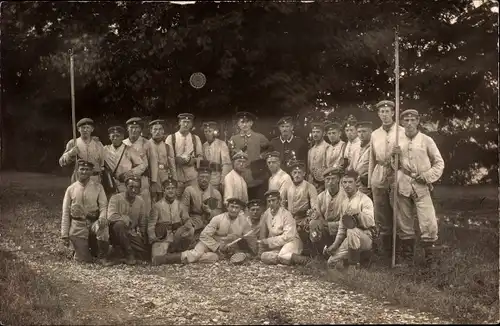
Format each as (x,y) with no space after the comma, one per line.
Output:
(396,158)
(73,111)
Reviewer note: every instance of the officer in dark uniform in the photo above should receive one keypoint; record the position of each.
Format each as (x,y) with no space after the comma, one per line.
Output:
(291,147)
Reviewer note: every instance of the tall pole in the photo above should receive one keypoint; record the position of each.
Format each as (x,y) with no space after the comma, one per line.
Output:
(73,111)
(396,158)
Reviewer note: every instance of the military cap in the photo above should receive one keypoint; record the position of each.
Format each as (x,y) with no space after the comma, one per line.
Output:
(333,125)
(272,154)
(245,115)
(272,193)
(185,116)
(254,203)
(84,121)
(240,155)
(116,129)
(134,121)
(133,178)
(351,122)
(385,104)
(210,124)
(204,167)
(364,124)
(331,171)
(157,122)
(286,119)
(85,163)
(169,182)
(409,112)
(351,173)
(236,201)
(317,124)
(297,165)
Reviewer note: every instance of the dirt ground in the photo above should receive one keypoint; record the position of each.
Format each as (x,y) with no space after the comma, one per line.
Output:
(196,294)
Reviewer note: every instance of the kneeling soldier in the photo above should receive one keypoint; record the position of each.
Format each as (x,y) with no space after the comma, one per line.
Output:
(169,228)
(217,237)
(127,218)
(279,241)
(356,226)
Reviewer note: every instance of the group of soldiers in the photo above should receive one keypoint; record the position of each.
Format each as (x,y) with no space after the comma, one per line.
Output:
(173,200)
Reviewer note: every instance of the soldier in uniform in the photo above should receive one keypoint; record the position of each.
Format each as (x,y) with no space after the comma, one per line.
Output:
(319,157)
(356,226)
(290,146)
(351,134)
(255,211)
(421,164)
(187,151)
(217,236)
(128,222)
(279,180)
(122,160)
(217,153)
(253,143)
(302,203)
(235,185)
(148,155)
(380,173)
(333,133)
(164,154)
(361,156)
(278,241)
(203,201)
(87,148)
(84,222)
(170,228)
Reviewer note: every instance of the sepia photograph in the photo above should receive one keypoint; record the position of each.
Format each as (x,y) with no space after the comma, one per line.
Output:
(249,162)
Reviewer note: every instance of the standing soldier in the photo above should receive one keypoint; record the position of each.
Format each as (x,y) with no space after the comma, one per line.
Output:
(333,133)
(127,221)
(356,226)
(290,146)
(279,241)
(361,156)
(235,185)
(84,216)
(252,143)
(420,166)
(302,202)
(164,153)
(187,150)
(87,148)
(380,173)
(123,161)
(148,155)
(217,153)
(352,140)
(319,156)
(279,180)
(169,228)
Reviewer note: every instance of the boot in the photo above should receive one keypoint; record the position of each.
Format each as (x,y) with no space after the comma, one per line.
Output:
(103,254)
(300,260)
(172,258)
(408,250)
(387,245)
(130,259)
(354,256)
(365,258)
(431,253)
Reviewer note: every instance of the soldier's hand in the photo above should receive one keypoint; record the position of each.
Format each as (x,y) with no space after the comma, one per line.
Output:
(74,151)
(65,242)
(420,179)
(396,150)
(331,250)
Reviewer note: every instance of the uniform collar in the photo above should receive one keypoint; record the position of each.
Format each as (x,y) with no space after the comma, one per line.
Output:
(247,135)
(286,141)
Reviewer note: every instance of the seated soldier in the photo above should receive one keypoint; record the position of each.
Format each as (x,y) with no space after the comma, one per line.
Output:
(255,210)
(202,200)
(218,237)
(127,222)
(323,230)
(169,228)
(356,226)
(279,241)
(84,222)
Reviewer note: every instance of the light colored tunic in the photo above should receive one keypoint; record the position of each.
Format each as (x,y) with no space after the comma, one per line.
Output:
(218,152)
(166,160)
(337,151)
(165,212)
(350,145)
(280,181)
(120,209)
(221,226)
(301,197)
(330,207)
(235,187)
(360,159)
(193,198)
(148,155)
(87,198)
(91,151)
(359,204)
(131,161)
(319,157)
(184,146)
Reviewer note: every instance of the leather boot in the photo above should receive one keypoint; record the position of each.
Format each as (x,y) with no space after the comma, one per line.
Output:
(353,260)
(299,259)
(365,258)
(130,258)
(408,250)
(431,253)
(172,258)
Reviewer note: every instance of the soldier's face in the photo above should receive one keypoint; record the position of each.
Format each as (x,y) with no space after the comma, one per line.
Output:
(245,124)
(298,175)
(286,129)
(133,188)
(239,165)
(411,123)
(273,203)
(84,173)
(233,210)
(209,133)
(255,212)
(349,185)
(273,163)
(85,130)
(317,134)
(170,191)
(364,134)
(157,132)
(185,125)
(203,180)
(386,115)
(333,135)
(332,183)
(351,132)
(134,131)
(116,138)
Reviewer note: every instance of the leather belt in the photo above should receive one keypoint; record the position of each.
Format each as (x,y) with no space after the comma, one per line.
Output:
(408,173)
(215,166)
